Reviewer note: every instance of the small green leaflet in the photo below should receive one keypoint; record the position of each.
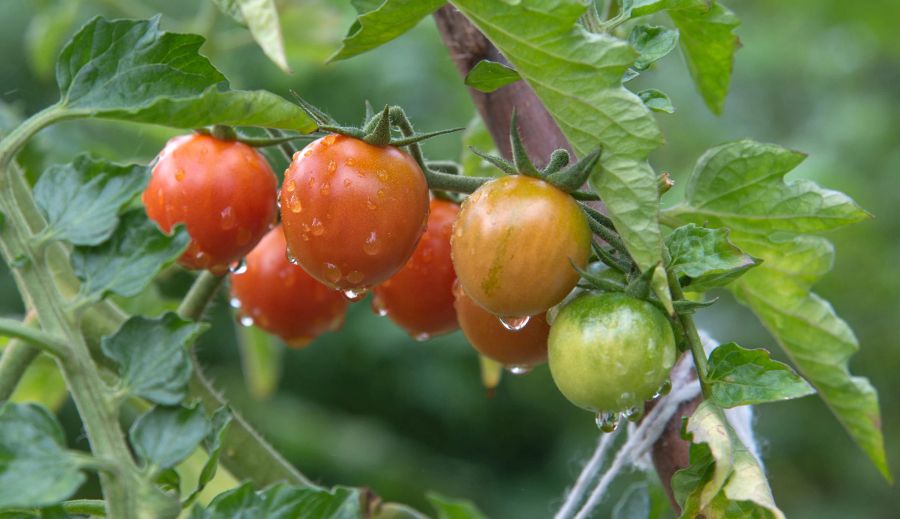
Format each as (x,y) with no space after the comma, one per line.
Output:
(218,425)
(487,76)
(131,70)
(282,501)
(82,200)
(708,44)
(448,508)
(706,257)
(657,100)
(165,436)
(261,18)
(653,43)
(129,260)
(151,355)
(36,470)
(738,376)
(723,476)
(389,20)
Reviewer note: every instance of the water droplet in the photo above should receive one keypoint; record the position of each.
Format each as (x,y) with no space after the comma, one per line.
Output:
(350,161)
(422,337)
(318,229)
(370,204)
(329,140)
(354,294)
(371,246)
(633,414)
(295,204)
(234,303)
(381,174)
(238,267)
(295,156)
(355,276)
(332,166)
(308,152)
(607,422)
(179,174)
(514,324)
(243,236)
(246,320)
(201,259)
(291,259)
(380,193)
(348,182)
(278,200)
(228,218)
(458,232)
(332,273)
(663,389)
(519,369)
(378,306)
(324,188)
(290,186)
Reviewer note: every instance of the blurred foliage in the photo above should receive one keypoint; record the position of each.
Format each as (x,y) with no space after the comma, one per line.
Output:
(368,406)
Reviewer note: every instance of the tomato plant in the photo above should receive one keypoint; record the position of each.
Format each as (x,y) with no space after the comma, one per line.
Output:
(222,191)
(281,297)
(419,297)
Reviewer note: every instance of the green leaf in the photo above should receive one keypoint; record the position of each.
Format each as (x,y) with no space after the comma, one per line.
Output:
(129,260)
(476,135)
(388,21)
(656,100)
(741,185)
(130,70)
(653,43)
(448,508)
(722,474)
(151,355)
(218,424)
(282,501)
(261,18)
(260,359)
(42,384)
(807,328)
(706,257)
(82,200)
(739,376)
(164,436)
(578,77)
(708,44)
(634,503)
(36,470)
(487,76)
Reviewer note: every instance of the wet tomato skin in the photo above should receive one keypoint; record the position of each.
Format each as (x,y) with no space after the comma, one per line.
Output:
(513,242)
(282,298)
(419,298)
(609,351)
(224,192)
(523,348)
(352,212)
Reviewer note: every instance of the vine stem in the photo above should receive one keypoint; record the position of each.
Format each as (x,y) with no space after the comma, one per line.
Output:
(692,335)
(200,295)
(17,356)
(19,330)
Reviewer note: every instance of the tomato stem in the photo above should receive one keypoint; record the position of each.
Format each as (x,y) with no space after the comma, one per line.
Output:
(20,330)
(692,335)
(17,356)
(200,295)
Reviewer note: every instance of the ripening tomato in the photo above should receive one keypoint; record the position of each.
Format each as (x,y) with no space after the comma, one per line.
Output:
(523,348)
(281,298)
(419,298)
(222,191)
(514,243)
(352,212)
(610,352)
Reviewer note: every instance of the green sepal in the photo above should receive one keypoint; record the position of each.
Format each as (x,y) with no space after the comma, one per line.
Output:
(639,286)
(501,163)
(558,159)
(378,129)
(597,282)
(524,166)
(575,176)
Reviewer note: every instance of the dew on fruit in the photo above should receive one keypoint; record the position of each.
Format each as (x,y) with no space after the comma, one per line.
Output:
(294,204)
(378,306)
(371,245)
(290,186)
(318,228)
(514,324)
(354,294)
(179,174)
(370,204)
(290,257)
(355,276)
(278,200)
(381,174)
(519,369)
(228,218)
(246,320)
(329,140)
(234,303)
(324,189)
(607,421)
(332,273)
(422,337)
(663,389)
(238,267)
(295,156)
(633,414)
(348,182)
(349,161)
(201,259)
(332,166)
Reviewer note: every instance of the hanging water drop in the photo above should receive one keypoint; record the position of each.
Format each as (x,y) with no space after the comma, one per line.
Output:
(234,303)
(246,320)
(633,414)
(422,337)
(378,306)
(238,267)
(607,422)
(519,369)
(663,389)
(354,294)
(514,324)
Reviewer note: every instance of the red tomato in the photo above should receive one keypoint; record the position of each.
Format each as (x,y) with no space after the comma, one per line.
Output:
(514,244)
(223,191)
(352,212)
(281,298)
(419,298)
(520,349)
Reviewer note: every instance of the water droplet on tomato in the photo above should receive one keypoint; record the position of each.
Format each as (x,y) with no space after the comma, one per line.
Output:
(663,389)
(294,204)
(380,193)
(201,259)
(179,174)
(238,267)
(354,294)
(633,414)
(234,303)
(514,324)
(607,422)
(228,218)
(329,140)
(332,273)
(246,320)
(371,245)
(332,166)
(355,276)
(290,186)
(422,337)
(378,306)
(370,204)
(519,369)
(348,182)
(349,161)
(324,188)
(318,228)
(381,174)
(278,200)
(295,156)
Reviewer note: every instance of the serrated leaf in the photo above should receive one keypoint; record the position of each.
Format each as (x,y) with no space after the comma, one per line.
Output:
(738,376)
(36,470)
(807,328)
(706,257)
(476,135)
(652,42)
(129,260)
(656,100)
(448,508)
(741,185)
(261,18)
(708,44)
(164,436)
(487,76)
(722,474)
(82,200)
(389,20)
(578,77)
(151,355)
(131,70)
(282,501)
(218,424)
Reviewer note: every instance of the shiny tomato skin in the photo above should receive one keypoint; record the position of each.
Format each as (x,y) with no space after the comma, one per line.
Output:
(282,298)
(419,298)
(224,192)
(609,351)
(353,212)
(523,348)
(514,244)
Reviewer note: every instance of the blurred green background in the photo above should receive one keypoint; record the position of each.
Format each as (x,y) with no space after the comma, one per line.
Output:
(368,406)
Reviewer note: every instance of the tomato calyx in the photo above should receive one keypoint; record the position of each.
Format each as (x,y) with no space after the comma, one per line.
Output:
(224,132)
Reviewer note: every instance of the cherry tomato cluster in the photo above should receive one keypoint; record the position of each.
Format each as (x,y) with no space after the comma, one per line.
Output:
(357,216)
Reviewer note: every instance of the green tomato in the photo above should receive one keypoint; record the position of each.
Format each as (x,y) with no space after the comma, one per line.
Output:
(609,352)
